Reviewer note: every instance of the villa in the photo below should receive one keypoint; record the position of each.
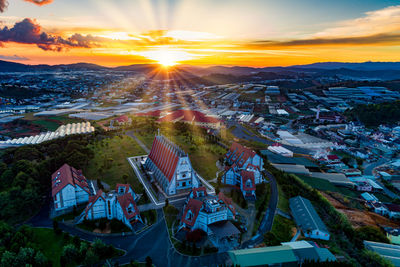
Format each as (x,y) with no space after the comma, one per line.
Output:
(213,215)
(119,204)
(244,170)
(69,188)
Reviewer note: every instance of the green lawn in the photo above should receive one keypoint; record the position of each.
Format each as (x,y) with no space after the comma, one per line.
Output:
(283,202)
(50,244)
(48,124)
(110,162)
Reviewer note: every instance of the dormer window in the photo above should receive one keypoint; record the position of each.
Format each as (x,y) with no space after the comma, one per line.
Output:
(248,183)
(189,215)
(130,208)
(122,189)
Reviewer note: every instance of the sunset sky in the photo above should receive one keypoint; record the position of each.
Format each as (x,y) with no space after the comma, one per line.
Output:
(200,32)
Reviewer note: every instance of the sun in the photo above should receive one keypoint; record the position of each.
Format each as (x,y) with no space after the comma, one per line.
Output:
(167,57)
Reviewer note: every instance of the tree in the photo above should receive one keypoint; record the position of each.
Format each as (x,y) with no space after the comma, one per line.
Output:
(70,253)
(149,261)
(91,258)
(166,202)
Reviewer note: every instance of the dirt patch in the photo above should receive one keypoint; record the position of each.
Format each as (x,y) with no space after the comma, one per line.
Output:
(359,218)
(107,230)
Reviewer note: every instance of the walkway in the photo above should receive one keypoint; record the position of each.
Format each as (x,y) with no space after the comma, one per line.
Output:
(131,134)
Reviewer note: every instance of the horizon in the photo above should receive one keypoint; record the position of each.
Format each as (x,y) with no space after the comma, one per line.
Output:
(228,33)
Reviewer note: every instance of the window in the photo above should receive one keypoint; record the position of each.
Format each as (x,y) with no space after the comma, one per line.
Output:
(189,215)
(130,209)
(109,207)
(183,183)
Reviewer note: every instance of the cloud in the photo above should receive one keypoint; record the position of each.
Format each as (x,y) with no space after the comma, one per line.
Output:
(39,2)
(373,22)
(3,5)
(14,57)
(356,40)
(29,31)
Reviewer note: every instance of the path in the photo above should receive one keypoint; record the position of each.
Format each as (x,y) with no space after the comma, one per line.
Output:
(131,134)
(268,219)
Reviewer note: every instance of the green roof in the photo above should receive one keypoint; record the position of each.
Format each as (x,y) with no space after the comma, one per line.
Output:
(262,256)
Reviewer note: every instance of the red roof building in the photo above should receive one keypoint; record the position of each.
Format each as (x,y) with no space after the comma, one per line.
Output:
(193,117)
(69,188)
(170,166)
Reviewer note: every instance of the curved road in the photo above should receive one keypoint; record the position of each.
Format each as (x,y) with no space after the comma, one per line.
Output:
(153,242)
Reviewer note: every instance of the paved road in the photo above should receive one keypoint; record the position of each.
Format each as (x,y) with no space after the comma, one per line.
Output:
(132,134)
(268,219)
(371,166)
(243,133)
(153,242)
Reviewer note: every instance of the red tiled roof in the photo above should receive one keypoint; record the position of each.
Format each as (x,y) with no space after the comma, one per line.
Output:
(246,175)
(194,206)
(125,200)
(67,175)
(122,118)
(155,113)
(228,202)
(237,149)
(188,116)
(164,156)
(199,189)
(332,157)
(126,186)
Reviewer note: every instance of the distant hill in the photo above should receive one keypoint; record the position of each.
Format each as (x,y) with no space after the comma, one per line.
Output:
(366,70)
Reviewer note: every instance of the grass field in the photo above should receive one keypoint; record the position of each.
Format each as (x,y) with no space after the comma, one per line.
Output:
(50,244)
(50,123)
(110,162)
(283,202)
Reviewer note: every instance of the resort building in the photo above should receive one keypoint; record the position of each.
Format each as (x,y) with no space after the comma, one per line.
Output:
(213,215)
(119,204)
(193,117)
(170,167)
(243,169)
(69,188)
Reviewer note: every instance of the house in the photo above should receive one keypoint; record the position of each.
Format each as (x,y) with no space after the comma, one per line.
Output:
(378,208)
(307,218)
(170,167)
(121,121)
(118,204)
(193,117)
(213,215)
(69,188)
(393,234)
(244,169)
(363,186)
(278,149)
(393,210)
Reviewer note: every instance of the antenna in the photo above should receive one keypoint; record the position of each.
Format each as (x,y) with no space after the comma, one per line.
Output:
(158,132)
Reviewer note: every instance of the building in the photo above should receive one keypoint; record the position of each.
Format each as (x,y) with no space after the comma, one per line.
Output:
(170,167)
(272,90)
(278,149)
(244,169)
(393,234)
(121,121)
(69,188)
(388,251)
(307,218)
(193,117)
(213,215)
(119,204)
(393,210)
(287,254)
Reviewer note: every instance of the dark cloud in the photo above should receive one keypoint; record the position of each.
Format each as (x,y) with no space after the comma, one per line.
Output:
(3,5)
(358,40)
(14,57)
(39,2)
(30,32)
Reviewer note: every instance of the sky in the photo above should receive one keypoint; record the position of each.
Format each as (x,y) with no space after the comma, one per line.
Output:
(199,32)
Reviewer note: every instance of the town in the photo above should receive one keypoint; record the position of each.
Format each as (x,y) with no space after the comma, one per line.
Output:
(232,169)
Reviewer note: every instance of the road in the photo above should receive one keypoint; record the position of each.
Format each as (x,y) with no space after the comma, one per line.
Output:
(242,133)
(268,219)
(368,168)
(153,242)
